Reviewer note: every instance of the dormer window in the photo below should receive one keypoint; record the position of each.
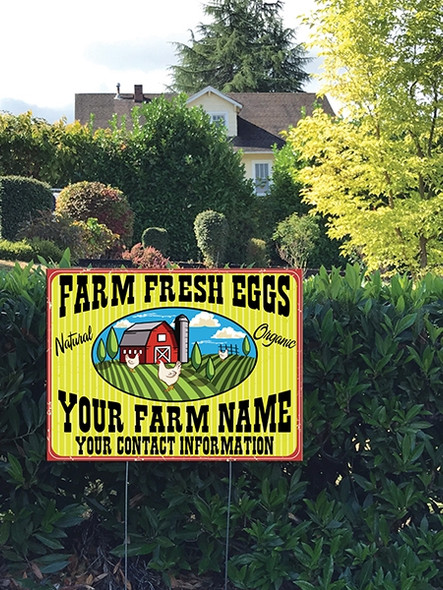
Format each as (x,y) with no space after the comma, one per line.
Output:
(219,119)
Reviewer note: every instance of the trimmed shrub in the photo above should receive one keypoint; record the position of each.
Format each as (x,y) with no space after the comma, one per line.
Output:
(211,231)
(98,239)
(108,205)
(256,253)
(157,237)
(28,250)
(20,250)
(296,239)
(46,249)
(20,200)
(146,257)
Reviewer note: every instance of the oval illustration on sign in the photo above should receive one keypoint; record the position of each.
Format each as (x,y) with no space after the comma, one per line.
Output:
(174,354)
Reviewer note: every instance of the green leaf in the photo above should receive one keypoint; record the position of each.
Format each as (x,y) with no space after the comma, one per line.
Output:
(304,585)
(404,323)
(15,470)
(49,542)
(55,566)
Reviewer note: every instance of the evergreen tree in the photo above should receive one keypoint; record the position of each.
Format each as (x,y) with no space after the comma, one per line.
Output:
(245,48)
(112,344)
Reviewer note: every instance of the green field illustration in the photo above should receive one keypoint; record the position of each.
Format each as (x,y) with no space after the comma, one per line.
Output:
(213,376)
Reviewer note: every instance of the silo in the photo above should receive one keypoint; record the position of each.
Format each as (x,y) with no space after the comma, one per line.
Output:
(182,337)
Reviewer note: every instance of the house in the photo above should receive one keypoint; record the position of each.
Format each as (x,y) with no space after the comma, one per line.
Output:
(156,341)
(253,120)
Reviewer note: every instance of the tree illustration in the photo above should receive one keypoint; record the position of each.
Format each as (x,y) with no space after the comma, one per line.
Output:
(112,344)
(246,347)
(196,356)
(101,351)
(210,369)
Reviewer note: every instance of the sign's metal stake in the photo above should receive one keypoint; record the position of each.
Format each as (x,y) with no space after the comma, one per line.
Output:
(228,518)
(126,525)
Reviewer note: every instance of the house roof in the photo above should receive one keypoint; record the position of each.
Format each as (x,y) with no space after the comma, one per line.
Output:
(264,115)
(261,118)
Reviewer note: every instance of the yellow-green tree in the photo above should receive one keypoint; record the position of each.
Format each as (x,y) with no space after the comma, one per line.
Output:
(377,170)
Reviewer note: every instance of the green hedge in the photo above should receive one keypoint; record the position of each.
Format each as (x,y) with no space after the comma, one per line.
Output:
(20,200)
(362,512)
(29,249)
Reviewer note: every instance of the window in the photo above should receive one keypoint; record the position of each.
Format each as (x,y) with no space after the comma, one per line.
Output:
(161,337)
(262,177)
(219,119)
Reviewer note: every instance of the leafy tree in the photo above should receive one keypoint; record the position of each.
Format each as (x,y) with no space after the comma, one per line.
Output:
(245,48)
(284,199)
(112,344)
(26,146)
(172,165)
(101,351)
(297,237)
(196,356)
(246,347)
(377,171)
(210,369)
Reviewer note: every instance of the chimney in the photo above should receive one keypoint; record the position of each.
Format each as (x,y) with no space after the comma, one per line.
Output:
(118,96)
(138,92)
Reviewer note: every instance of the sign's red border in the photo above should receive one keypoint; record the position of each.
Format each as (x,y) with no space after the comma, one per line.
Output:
(298,276)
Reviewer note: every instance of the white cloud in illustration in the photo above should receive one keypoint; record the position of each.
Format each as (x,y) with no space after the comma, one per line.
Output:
(204,319)
(123,324)
(228,332)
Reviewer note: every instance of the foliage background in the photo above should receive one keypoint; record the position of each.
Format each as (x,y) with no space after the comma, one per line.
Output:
(376,171)
(361,512)
(169,161)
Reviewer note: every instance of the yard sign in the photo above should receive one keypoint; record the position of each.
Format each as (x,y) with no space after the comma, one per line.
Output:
(174,365)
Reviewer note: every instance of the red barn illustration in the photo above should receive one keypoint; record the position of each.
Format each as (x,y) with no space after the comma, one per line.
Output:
(156,341)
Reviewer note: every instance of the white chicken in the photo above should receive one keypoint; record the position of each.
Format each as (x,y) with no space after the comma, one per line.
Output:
(169,376)
(132,361)
(223,354)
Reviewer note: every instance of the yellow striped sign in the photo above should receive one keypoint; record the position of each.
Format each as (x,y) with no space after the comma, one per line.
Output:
(174,365)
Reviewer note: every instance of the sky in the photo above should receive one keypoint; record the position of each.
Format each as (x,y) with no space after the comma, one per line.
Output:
(53,49)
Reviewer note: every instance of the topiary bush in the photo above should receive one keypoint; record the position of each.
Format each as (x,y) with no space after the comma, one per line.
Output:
(156,237)
(108,205)
(19,250)
(256,253)
(20,200)
(211,231)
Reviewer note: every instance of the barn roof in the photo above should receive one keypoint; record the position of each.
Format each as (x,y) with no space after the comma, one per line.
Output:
(138,334)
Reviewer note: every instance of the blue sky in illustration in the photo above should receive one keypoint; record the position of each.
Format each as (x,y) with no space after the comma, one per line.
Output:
(211,331)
